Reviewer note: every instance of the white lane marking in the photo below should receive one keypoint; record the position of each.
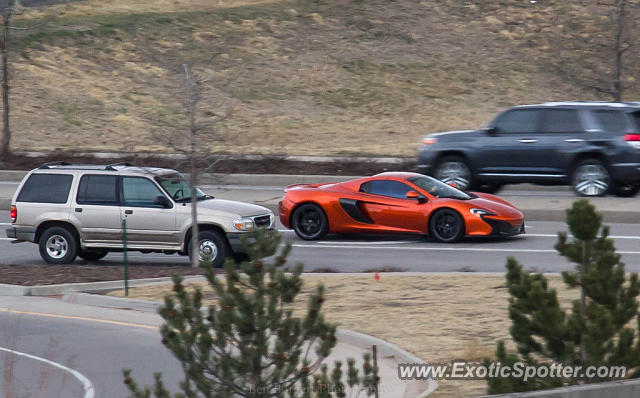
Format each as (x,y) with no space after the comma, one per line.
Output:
(244,187)
(7,239)
(570,236)
(89,391)
(5,223)
(470,249)
(393,242)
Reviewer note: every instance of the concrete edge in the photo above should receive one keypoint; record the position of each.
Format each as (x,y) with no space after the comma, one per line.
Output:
(385,349)
(95,300)
(13,290)
(63,288)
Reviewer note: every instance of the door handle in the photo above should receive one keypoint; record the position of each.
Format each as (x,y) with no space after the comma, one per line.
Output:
(78,209)
(128,212)
(527,141)
(574,140)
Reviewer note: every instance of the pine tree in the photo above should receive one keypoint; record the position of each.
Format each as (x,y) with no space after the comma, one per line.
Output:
(250,344)
(595,331)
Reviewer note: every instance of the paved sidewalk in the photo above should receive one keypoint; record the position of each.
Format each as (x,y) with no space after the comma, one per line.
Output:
(350,344)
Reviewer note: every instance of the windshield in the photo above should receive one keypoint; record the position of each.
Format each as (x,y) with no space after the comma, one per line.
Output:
(438,188)
(178,188)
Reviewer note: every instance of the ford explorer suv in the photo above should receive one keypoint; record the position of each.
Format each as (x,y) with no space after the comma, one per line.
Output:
(592,146)
(77,210)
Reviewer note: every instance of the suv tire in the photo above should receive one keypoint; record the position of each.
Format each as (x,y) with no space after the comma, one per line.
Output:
(627,189)
(58,245)
(454,170)
(591,178)
(213,243)
(92,255)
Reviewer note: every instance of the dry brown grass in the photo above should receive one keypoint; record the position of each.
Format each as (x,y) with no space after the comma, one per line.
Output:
(439,317)
(304,77)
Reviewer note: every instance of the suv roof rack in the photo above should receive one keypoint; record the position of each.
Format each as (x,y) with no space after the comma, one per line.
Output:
(49,164)
(112,166)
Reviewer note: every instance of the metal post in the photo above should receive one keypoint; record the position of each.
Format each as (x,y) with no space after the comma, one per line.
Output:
(375,368)
(126,262)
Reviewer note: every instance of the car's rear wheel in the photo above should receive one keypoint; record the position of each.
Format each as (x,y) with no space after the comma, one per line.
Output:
(212,248)
(310,222)
(58,245)
(591,178)
(92,255)
(454,170)
(446,225)
(627,190)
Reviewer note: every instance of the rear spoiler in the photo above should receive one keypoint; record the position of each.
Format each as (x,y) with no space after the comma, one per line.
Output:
(295,186)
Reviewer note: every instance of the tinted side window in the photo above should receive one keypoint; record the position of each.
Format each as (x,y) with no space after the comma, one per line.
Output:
(139,192)
(98,190)
(46,188)
(613,121)
(518,121)
(393,189)
(636,119)
(561,121)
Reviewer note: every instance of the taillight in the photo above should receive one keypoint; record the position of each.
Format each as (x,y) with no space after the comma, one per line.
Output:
(13,214)
(633,140)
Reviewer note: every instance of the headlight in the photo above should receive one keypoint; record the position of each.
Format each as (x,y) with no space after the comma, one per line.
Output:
(482,212)
(243,223)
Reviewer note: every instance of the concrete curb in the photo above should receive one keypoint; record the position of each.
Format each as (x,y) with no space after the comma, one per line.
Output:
(61,289)
(385,349)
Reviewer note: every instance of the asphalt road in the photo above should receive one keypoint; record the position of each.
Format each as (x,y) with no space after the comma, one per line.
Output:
(56,358)
(409,253)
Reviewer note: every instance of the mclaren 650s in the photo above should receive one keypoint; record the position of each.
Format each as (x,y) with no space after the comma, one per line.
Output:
(396,203)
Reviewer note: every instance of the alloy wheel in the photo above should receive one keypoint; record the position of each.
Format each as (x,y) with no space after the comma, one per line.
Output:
(454,173)
(57,246)
(591,180)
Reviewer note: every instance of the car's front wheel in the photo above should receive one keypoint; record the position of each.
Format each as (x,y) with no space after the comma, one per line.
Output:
(591,178)
(212,248)
(310,222)
(454,170)
(58,245)
(447,225)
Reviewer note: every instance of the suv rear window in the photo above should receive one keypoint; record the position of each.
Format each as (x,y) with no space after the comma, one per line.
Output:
(613,121)
(97,190)
(46,188)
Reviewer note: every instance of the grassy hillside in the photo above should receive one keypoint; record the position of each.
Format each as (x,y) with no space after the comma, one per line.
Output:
(306,77)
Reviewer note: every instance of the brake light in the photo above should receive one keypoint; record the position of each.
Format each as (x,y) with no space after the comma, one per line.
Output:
(633,140)
(13,214)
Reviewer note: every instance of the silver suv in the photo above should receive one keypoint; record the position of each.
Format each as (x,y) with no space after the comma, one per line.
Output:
(77,210)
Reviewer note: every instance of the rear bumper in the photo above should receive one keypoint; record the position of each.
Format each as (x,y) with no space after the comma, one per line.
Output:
(625,172)
(21,233)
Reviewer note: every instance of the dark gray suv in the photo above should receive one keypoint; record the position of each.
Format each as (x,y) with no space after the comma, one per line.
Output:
(593,146)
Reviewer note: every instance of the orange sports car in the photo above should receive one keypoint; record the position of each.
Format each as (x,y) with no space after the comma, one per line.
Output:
(396,202)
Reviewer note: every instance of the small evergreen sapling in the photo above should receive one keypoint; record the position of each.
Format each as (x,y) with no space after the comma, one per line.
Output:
(250,344)
(597,331)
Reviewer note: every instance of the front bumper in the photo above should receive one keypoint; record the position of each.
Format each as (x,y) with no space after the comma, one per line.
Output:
(21,233)
(503,228)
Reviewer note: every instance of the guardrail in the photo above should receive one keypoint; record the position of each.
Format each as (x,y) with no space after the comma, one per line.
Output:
(614,389)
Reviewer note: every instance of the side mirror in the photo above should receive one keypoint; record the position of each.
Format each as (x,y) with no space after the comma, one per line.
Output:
(490,130)
(416,195)
(162,201)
